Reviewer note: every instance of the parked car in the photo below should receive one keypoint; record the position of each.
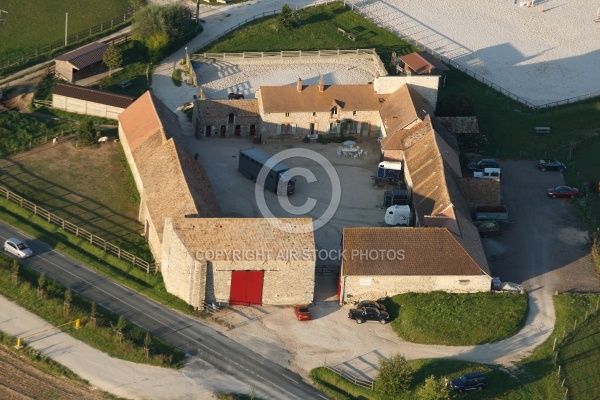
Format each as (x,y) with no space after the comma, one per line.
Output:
(302,312)
(17,248)
(361,315)
(482,164)
(500,286)
(563,192)
(371,303)
(551,165)
(471,381)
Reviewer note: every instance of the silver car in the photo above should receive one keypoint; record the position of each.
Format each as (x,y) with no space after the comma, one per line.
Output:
(17,248)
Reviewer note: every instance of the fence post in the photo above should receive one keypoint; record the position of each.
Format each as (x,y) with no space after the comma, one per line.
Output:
(554,345)
(558,370)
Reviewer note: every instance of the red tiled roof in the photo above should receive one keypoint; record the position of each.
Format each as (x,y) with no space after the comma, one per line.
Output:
(423,63)
(404,251)
(93,95)
(85,56)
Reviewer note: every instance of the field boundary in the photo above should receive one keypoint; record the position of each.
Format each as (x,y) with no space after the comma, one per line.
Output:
(77,231)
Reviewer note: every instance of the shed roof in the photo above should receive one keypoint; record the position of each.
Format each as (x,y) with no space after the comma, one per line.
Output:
(404,251)
(460,125)
(84,56)
(423,63)
(93,95)
(279,99)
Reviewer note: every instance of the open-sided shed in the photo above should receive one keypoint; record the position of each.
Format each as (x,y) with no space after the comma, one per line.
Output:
(80,63)
(82,100)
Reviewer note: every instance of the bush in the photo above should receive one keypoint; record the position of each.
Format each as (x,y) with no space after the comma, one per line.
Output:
(394,377)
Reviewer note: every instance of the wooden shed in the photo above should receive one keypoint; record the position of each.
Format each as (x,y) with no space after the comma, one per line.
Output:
(82,100)
(81,63)
(422,63)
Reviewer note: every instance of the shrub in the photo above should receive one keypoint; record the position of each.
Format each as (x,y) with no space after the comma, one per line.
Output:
(394,377)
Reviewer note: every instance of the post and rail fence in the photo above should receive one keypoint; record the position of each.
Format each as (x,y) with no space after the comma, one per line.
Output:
(357,380)
(76,230)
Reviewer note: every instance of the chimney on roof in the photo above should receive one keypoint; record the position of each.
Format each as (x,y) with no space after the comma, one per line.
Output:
(299,85)
(321,84)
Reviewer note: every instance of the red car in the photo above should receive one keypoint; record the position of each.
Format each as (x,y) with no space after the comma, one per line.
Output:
(563,192)
(302,312)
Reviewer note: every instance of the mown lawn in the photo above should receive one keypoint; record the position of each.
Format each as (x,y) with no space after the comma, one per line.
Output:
(457,319)
(33,23)
(535,377)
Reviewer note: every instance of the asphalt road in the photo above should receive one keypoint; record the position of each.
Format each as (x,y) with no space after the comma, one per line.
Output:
(197,340)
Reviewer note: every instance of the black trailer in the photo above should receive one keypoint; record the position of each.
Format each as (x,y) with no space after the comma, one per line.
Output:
(395,198)
(277,179)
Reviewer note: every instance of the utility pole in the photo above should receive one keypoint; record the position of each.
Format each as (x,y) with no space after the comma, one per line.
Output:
(66,26)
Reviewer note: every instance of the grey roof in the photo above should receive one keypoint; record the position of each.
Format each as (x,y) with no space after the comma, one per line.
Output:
(93,95)
(84,56)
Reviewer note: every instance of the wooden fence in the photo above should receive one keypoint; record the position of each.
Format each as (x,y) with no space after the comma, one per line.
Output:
(46,51)
(76,230)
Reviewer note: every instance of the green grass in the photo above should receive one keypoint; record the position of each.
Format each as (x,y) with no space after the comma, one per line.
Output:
(150,285)
(535,377)
(457,319)
(29,25)
(51,308)
(317,30)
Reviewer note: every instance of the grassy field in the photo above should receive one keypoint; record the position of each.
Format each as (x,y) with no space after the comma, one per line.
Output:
(457,319)
(28,24)
(535,377)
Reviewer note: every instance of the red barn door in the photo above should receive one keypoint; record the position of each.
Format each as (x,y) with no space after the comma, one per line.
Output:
(246,288)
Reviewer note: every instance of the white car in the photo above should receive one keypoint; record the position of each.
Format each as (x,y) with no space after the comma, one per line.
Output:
(16,247)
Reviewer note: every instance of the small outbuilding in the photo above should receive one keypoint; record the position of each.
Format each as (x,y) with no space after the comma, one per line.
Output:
(81,63)
(422,63)
(83,100)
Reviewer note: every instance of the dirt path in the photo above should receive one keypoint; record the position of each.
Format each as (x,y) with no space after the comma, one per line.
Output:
(21,380)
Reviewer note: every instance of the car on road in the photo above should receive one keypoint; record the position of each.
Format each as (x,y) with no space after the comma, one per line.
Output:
(17,248)
(551,165)
(361,315)
(371,303)
(302,312)
(483,164)
(470,381)
(563,192)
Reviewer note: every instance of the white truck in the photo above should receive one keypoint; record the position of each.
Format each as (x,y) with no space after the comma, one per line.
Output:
(488,173)
(397,215)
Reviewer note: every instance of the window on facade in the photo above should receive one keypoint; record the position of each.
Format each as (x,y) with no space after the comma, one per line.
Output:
(353,112)
(231,118)
(287,114)
(314,113)
(334,112)
(354,127)
(332,128)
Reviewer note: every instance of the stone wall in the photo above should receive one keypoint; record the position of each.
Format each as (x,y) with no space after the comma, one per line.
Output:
(356,288)
(426,86)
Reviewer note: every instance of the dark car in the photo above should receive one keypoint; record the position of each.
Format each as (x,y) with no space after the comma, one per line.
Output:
(371,303)
(471,381)
(361,315)
(302,312)
(551,165)
(563,192)
(482,164)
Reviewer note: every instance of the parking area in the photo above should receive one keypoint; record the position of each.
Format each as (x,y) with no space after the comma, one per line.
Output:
(547,245)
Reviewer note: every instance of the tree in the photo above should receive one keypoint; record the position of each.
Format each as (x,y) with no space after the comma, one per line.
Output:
(41,285)
(286,17)
(137,4)
(147,343)
(434,389)
(113,58)
(87,133)
(159,27)
(121,323)
(15,271)
(394,377)
(67,304)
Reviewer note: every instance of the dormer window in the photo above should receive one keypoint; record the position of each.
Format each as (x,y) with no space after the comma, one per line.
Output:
(334,112)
